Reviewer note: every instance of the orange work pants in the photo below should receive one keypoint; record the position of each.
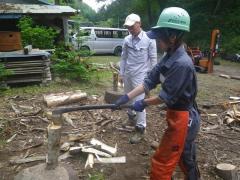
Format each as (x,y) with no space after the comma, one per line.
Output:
(168,154)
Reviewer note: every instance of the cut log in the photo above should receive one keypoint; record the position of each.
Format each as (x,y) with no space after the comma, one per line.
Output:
(54,136)
(111,96)
(53,100)
(227,171)
(229,77)
(225,76)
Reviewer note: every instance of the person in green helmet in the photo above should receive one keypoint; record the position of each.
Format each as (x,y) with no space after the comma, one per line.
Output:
(177,76)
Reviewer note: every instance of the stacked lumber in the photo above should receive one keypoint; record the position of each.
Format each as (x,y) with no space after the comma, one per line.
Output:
(33,66)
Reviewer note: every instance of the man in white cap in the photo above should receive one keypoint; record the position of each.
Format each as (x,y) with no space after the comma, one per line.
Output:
(139,55)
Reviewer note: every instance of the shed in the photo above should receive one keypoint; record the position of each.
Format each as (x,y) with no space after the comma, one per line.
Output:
(42,12)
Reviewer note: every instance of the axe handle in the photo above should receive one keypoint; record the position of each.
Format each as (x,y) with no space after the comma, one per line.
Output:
(62,110)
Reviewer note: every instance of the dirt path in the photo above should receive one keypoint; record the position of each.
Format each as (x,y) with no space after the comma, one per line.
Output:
(220,144)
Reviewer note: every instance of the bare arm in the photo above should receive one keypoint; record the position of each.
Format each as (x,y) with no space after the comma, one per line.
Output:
(136,91)
(153,101)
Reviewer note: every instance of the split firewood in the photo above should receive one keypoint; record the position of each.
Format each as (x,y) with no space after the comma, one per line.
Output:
(121,159)
(234,98)
(27,160)
(95,151)
(78,149)
(90,161)
(104,147)
(53,100)
(11,138)
(227,171)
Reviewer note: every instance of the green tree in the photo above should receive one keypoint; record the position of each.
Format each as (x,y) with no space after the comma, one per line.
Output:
(35,35)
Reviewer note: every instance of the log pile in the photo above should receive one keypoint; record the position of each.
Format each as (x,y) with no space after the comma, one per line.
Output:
(96,151)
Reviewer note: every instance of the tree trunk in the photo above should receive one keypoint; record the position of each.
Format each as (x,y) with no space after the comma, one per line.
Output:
(57,2)
(149,11)
(217,7)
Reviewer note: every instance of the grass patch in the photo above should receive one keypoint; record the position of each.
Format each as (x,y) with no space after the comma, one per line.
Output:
(97,176)
(101,59)
(99,81)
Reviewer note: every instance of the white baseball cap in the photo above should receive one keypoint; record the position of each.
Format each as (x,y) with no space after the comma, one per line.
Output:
(131,19)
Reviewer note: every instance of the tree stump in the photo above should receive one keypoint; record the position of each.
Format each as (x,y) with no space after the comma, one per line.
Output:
(227,171)
(111,96)
(54,136)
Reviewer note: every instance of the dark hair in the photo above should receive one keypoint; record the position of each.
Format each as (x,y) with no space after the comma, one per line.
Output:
(166,33)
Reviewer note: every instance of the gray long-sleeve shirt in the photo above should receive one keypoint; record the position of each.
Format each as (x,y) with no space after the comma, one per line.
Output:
(139,55)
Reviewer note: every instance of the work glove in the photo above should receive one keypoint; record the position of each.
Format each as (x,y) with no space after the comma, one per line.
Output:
(122,100)
(139,105)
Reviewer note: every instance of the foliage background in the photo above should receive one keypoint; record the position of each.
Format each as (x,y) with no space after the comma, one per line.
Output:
(206,15)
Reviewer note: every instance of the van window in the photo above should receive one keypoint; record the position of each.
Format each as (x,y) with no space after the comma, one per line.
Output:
(103,33)
(86,32)
(110,33)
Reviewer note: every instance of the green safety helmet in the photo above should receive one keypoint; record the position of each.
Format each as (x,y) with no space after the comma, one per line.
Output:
(175,18)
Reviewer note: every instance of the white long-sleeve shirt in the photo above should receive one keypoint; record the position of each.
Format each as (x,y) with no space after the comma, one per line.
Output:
(139,55)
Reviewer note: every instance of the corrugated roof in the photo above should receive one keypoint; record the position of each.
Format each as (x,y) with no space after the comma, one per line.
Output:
(26,1)
(9,8)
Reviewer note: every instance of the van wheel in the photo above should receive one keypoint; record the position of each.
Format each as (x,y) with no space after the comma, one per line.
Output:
(85,51)
(118,51)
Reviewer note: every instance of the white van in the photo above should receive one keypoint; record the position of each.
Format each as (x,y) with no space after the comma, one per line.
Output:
(100,40)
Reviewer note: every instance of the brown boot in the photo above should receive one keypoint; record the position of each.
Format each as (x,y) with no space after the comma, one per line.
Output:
(138,135)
